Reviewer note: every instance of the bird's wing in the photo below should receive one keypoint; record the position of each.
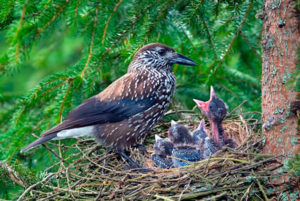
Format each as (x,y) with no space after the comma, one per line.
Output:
(122,99)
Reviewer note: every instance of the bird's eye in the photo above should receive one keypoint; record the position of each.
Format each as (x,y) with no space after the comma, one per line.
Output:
(162,52)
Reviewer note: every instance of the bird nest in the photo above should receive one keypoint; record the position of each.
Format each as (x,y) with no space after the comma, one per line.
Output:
(91,173)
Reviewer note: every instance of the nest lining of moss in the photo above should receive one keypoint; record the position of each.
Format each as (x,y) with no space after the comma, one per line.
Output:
(91,173)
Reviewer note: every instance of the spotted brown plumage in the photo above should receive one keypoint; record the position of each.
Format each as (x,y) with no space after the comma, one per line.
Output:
(122,113)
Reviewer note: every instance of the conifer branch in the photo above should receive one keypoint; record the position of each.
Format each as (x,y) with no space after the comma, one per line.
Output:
(76,11)
(231,17)
(92,42)
(160,15)
(54,87)
(47,83)
(34,185)
(210,38)
(250,46)
(63,101)
(186,35)
(13,175)
(109,18)
(116,41)
(7,12)
(46,5)
(233,39)
(61,9)
(18,30)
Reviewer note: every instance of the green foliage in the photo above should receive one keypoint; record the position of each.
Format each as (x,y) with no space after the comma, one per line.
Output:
(55,54)
(293,165)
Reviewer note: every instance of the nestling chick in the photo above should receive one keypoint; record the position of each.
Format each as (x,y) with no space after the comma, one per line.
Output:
(215,110)
(184,146)
(162,149)
(206,145)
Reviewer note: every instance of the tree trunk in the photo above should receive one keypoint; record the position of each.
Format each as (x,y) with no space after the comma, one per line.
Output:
(280,44)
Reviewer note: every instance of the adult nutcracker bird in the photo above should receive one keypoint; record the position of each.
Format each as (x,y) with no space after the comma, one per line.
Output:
(122,113)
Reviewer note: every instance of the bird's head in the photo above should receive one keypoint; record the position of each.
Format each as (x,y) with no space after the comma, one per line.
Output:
(162,147)
(179,134)
(158,56)
(214,109)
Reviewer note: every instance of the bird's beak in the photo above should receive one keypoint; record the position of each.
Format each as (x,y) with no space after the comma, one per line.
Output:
(202,105)
(202,124)
(180,59)
(212,93)
(173,123)
(157,137)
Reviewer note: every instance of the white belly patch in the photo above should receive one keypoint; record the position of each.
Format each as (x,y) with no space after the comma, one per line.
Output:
(75,133)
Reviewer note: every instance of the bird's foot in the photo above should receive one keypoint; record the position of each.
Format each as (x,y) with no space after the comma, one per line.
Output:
(142,148)
(133,165)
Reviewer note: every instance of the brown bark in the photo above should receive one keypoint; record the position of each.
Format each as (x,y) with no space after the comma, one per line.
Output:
(280,44)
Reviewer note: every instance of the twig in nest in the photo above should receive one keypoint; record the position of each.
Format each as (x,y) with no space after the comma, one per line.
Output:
(34,185)
(13,175)
(238,107)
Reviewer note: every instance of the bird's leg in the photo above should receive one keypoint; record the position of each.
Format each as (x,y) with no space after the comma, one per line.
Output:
(134,165)
(104,161)
(142,148)
(132,162)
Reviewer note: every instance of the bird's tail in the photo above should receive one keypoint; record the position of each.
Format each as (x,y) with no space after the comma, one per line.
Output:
(39,141)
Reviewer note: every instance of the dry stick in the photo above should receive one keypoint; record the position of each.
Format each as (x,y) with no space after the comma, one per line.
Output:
(247,167)
(260,187)
(100,193)
(246,192)
(216,196)
(175,109)
(73,191)
(68,182)
(184,189)
(55,154)
(34,185)
(13,175)
(163,197)
(88,158)
(194,195)
(50,196)
(178,112)
(238,107)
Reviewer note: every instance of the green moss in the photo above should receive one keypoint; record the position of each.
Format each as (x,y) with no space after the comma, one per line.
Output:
(284,197)
(275,4)
(280,140)
(292,165)
(270,43)
(279,110)
(270,190)
(288,109)
(294,141)
(273,72)
(289,75)
(283,128)
(284,79)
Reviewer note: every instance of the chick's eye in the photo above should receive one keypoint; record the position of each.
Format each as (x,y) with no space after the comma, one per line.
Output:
(162,52)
